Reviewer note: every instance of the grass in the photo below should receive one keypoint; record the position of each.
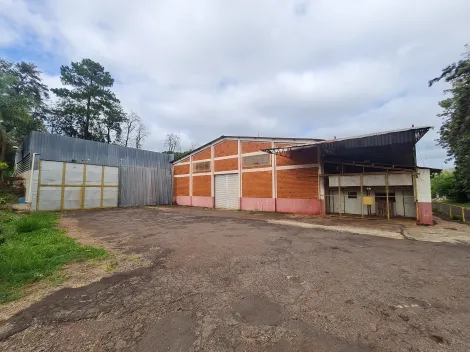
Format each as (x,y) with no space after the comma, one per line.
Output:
(32,248)
(7,198)
(451,202)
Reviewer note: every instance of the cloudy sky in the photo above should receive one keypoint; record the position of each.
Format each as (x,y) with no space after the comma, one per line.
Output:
(291,68)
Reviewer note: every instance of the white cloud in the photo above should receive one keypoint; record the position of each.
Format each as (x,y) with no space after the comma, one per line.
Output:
(288,67)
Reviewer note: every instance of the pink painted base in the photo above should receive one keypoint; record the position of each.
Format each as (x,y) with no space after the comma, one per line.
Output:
(206,202)
(425,213)
(302,206)
(258,204)
(183,200)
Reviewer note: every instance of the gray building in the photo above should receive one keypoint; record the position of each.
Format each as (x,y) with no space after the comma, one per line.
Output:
(64,173)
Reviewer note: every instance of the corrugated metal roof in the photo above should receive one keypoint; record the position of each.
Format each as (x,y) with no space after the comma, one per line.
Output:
(405,135)
(61,148)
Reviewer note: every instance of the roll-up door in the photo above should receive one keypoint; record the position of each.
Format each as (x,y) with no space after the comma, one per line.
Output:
(226,191)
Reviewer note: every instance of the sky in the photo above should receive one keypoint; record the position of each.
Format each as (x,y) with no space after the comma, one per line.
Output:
(282,68)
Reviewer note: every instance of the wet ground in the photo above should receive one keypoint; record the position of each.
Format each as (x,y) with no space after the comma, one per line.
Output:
(230,281)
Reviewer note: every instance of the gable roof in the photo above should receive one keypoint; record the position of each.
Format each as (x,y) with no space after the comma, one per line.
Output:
(195,151)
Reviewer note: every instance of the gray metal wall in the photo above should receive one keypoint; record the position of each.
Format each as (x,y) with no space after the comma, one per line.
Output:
(60,148)
(140,186)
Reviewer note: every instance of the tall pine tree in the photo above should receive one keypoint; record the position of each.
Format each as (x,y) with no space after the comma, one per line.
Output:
(88,109)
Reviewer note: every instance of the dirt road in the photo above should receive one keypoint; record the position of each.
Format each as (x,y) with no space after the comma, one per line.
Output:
(229,281)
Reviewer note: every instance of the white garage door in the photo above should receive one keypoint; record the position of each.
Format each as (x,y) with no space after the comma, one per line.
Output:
(226,191)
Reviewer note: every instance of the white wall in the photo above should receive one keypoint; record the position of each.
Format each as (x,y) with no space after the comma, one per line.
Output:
(423,185)
(372,180)
(404,204)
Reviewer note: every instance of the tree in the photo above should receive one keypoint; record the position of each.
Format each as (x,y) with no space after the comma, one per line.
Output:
(30,84)
(443,185)
(172,142)
(128,127)
(193,146)
(114,116)
(14,108)
(140,135)
(455,129)
(88,109)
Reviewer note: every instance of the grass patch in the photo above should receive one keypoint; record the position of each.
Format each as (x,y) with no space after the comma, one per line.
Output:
(32,248)
(451,202)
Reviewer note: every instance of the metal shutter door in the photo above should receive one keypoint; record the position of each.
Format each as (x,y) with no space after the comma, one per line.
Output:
(226,191)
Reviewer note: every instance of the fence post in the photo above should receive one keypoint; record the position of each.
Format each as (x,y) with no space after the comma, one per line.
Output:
(450,211)
(463,214)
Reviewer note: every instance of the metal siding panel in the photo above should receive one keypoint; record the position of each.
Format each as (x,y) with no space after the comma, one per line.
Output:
(60,148)
(140,186)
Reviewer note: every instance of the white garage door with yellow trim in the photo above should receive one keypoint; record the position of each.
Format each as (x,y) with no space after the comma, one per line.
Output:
(227,191)
(67,186)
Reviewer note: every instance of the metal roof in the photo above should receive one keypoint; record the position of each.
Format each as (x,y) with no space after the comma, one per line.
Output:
(62,148)
(405,135)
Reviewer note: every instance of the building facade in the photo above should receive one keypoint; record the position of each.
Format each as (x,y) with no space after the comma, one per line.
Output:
(65,173)
(234,173)
(370,175)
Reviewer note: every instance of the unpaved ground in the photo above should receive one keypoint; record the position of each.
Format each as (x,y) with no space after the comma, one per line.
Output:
(229,281)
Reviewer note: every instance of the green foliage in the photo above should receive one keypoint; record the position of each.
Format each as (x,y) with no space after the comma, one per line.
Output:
(455,129)
(22,103)
(444,184)
(33,248)
(89,109)
(34,222)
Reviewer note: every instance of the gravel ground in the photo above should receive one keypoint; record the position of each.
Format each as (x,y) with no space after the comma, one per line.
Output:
(230,281)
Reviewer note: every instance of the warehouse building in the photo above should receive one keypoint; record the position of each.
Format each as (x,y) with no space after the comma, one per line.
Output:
(368,175)
(65,173)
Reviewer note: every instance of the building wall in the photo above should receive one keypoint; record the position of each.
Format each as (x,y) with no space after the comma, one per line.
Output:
(404,204)
(226,164)
(296,181)
(423,190)
(61,148)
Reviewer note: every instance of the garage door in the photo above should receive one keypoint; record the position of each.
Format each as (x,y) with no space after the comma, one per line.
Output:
(67,186)
(226,191)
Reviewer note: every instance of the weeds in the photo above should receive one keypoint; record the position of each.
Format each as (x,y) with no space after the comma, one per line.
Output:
(33,248)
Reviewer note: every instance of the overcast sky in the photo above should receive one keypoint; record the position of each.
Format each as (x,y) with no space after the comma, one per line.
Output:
(290,68)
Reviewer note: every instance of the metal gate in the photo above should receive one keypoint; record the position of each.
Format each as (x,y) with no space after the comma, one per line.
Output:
(69,186)
(140,186)
(227,191)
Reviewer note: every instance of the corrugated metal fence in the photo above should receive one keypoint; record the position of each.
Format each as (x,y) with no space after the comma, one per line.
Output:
(140,186)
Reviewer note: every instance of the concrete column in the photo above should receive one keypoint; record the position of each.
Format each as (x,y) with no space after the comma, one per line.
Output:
(212,177)
(423,192)
(321,183)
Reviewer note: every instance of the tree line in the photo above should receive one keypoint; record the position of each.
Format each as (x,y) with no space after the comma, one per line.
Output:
(454,134)
(85,107)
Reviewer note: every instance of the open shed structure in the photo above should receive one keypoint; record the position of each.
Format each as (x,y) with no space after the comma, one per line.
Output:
(368,175)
